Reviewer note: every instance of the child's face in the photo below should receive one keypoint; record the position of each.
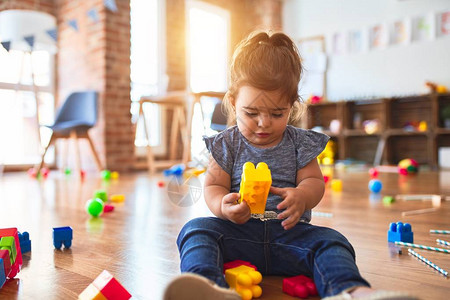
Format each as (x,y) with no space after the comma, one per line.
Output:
(261,116)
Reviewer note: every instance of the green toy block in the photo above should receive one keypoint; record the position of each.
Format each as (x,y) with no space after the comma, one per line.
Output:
(8,243)
(388,199)
(101,194)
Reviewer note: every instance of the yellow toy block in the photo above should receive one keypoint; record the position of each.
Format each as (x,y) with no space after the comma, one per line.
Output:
(91,293)
(117,198)
(336,185)
(255,185)
(244,280)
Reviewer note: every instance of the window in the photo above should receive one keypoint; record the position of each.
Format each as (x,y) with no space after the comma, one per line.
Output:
(22,138)
(208,48)
(147,68)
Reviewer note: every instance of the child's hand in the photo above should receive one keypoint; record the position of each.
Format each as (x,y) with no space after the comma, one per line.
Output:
(293,205)
(238,213)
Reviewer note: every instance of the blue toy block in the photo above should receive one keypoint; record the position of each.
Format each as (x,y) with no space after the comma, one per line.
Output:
(25,243)
(400,232)
(176,170)
(62,235)
(2,273)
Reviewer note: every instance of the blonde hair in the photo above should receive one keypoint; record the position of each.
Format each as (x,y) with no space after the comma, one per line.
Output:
(268,62)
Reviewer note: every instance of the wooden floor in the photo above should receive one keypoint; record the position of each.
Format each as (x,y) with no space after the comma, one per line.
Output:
(136,242)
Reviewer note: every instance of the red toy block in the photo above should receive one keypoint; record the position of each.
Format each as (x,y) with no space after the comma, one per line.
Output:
(237,263)
(299,286)
(15,268)
(4,254)
(110,287)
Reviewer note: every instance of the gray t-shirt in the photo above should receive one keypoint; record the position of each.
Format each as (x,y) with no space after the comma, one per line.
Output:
(232,150)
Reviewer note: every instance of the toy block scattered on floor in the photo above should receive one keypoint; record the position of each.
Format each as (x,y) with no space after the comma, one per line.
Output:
(399,232)
(2,273)
(11,261)
(299,286)
(91,293)
(8,243)
(110,288)
(117,198)
(244,280)
(255,185)
(62,235)
(25,242)
(4,255)
(237,263)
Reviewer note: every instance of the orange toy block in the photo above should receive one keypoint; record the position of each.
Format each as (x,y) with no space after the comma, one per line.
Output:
(91,293)
(244,280)
(255,185)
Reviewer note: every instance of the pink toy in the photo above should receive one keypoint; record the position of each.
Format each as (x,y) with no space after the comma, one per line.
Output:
(299,286)
(373,172)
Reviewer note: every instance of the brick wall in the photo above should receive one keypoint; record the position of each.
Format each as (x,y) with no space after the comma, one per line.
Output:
(98,57)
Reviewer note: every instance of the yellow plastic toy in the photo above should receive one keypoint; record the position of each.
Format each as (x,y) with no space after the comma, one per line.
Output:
(244,280)
(117,198)
(327,156)
(255,185)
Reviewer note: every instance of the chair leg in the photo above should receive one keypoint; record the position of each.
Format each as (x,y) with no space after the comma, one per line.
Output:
(94,152)
(74,137)
(52,139)
(150,156)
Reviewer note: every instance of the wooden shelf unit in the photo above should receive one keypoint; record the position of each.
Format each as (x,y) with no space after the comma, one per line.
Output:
(392,142)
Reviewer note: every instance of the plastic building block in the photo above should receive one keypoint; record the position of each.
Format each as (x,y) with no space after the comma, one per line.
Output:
(117,198)
(336,185)
(255,185)
(106,174)
(299,286)
(2,274)
(17,265)
(95,207)
(8,243)
(400,232)
(175,170)
(62,235)
(237,263)
(110,287)
(375,185)
(91,293)
(4,255)
(101,194)
(115,175)
(25,242)
(388,199)
(108,208)
(244,280)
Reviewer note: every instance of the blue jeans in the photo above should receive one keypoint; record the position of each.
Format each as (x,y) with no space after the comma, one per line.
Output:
(317,252)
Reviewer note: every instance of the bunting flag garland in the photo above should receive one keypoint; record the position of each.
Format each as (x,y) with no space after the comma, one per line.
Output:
(74,24)
(93,14)
(30,40)
(111,5)
(6,45)
(53,33)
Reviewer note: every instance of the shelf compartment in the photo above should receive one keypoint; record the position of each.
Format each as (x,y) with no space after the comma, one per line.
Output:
(362,148)
(322,114)
(443,101)
(410,109)
(356,112)
(413,146)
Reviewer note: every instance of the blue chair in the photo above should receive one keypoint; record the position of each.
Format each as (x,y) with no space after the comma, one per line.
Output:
(74,118)
(219,118)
